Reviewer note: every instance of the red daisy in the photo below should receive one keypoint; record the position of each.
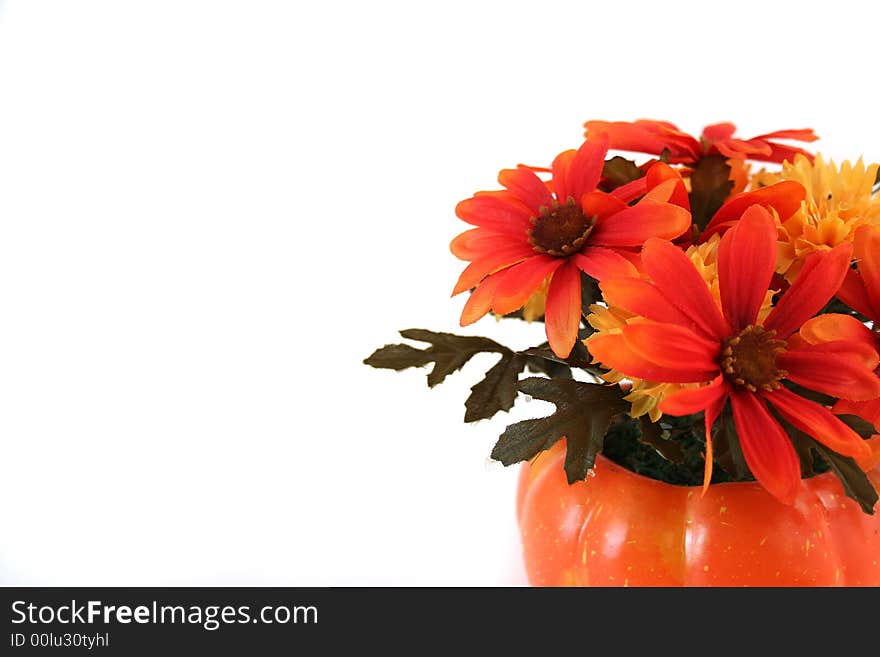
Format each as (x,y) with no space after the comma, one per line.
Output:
(655,137)
(535,230)
(686,338)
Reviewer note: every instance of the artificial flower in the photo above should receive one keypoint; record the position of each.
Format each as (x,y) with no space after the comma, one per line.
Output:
(838,201)
(645,396)
(534,231)
(657,137)
(684,335)
(783,199)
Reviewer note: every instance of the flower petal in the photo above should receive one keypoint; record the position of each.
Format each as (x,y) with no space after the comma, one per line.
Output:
(779,153)
(801,134)
(478,243)
(601,263)
(853,293)
(562,316)
(814,287)
(521,280)
(499,211)
(869,410)
(743,149)
(480,300)
(561,167)
(526,186)
(631,190)
(866,248)
(601,205)
(713,410)
(647,136)
(586,166)
(675,347)
(766,447)
(479,269)
(677,279)
(746,261)
(784,197)
(818,422)
(657,180)
(711,399)
(613,351)
(646,219)
(641,297)
(693,400)
(837,368)
(719,131)
(831,327)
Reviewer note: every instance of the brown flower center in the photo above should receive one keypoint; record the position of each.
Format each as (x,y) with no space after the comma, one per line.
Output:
(560,230)
(749,359)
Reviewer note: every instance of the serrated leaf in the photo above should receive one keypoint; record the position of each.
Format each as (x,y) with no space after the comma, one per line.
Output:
(497,391)
(583,414)
(855,482)
(579,357)
(804,451)
(619,171)
(448,352)
(590,293)
(551,368)
(710,187)
(652,435)
(397,357)
(580,455)
(858,424)
(726,449)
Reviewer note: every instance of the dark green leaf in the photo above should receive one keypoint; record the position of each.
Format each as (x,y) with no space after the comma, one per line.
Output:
(652,434)
(812,395)
(579,356)
(552,368)
(803,449)
(580,455)
(619,171)
(583,414)
(590,293)
(448,352)
(710,187)
(726,448)
(398,357)
(497,391)
(858,424)
(855,482)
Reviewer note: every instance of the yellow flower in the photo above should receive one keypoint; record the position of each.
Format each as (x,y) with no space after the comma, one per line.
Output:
(838,201)
(534,307)
(645,396)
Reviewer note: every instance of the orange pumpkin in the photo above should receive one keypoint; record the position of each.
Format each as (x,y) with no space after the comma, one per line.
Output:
(619,528)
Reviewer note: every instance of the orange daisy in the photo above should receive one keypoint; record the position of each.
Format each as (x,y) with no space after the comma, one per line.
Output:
(686,337)
(655,137)
(534,231)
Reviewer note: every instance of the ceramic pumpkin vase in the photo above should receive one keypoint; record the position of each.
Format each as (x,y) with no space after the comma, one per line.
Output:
(618,528)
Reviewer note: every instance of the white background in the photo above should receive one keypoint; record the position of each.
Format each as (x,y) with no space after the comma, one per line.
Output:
(211,212)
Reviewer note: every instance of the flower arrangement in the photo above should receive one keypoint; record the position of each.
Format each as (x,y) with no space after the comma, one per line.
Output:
(711,312)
